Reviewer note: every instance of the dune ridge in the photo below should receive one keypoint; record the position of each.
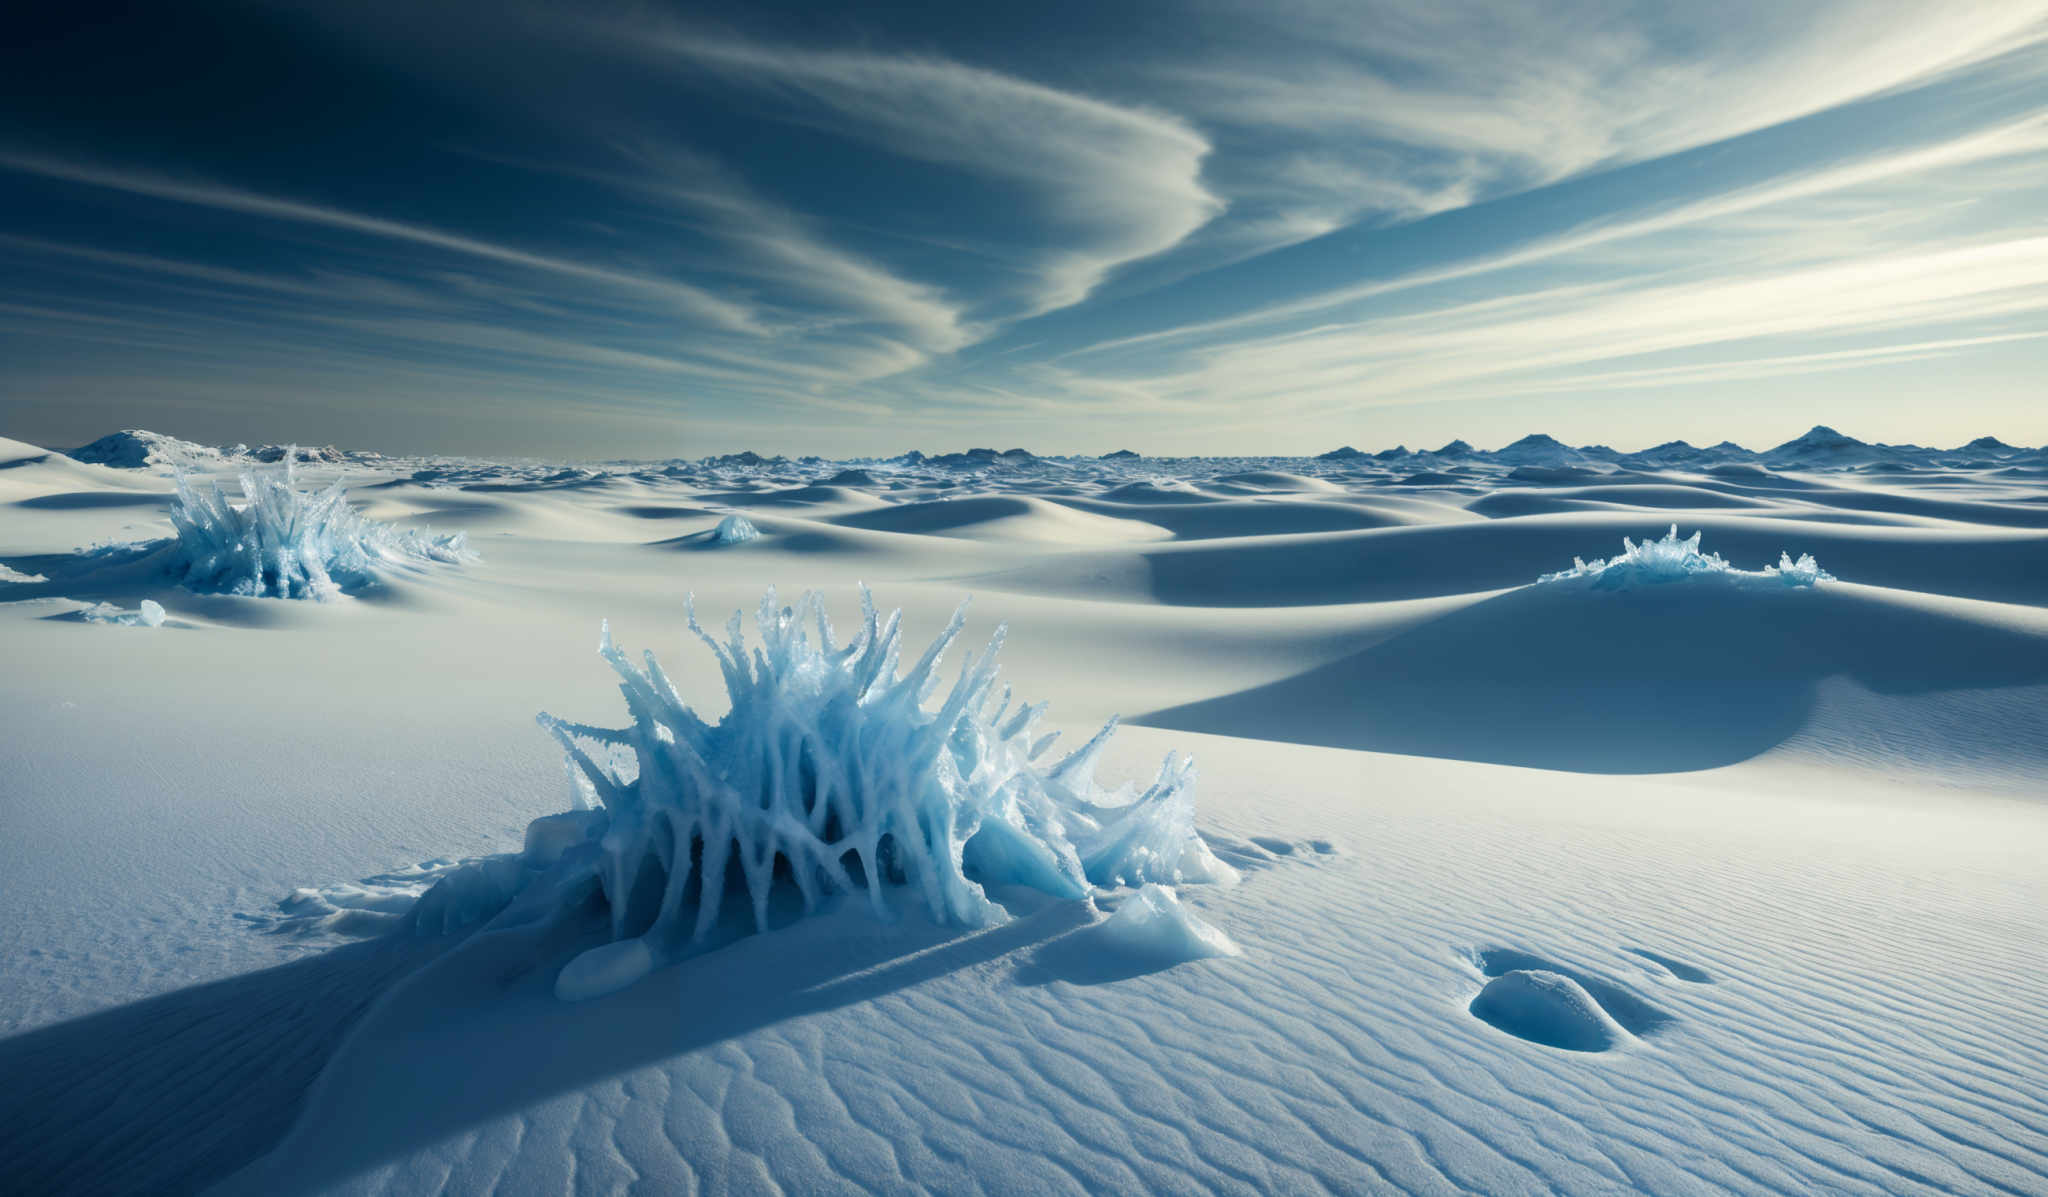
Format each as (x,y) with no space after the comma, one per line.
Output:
(1546,886)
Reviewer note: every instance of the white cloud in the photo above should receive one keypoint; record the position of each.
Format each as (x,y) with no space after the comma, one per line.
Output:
(2019,139)
(1486,98)
(1112,184)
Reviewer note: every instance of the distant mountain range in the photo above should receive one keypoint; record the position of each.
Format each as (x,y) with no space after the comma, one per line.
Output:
(1820,448)
(1536,457)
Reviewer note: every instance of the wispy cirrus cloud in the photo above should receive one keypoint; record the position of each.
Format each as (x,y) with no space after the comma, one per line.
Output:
(1450,101)
(1111,184)
(1214,216)
(2019,140)
(1399,358)
(696,302)
(760,239)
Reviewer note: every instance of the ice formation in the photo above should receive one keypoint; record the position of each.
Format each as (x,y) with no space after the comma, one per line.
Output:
(1803,572)
(1672,559)
(828,776)
(289,543)
(1153,924)
(149,615)
(734,529)
(14,575)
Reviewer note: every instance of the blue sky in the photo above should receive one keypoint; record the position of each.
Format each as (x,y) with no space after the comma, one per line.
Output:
(592,229)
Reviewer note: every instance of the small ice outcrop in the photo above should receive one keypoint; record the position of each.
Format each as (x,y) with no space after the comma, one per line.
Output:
(734,529)
(149,615)
(1153,924)
(1672,560)
(289,543)
(829,776)
(8,574)
(1803,572)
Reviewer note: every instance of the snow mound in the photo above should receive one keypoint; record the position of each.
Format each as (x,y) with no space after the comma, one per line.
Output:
(1153,924)
(829,776)
(14,575)
(290,543)
(1547,1008)
(1672,560)
(139,448)
(734,529)
(356,909)
(149,615)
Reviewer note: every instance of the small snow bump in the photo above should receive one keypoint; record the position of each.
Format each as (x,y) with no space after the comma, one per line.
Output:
(1153,924)
(1547,1008)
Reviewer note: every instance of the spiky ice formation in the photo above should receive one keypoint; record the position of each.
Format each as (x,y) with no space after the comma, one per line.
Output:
(284,542)
(1672,560)
(828,776)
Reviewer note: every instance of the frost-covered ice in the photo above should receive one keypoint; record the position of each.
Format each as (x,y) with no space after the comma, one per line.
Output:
(8,574)
(828,776)
(1154,924)
(1672,560)
(734,529)
(149,615)
(283,542)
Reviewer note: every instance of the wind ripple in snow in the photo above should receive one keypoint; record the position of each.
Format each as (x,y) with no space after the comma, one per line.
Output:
(1829,1053)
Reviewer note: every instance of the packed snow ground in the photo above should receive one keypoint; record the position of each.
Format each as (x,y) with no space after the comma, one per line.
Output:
(1668,886)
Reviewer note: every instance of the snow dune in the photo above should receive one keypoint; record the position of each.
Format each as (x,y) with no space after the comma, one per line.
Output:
(1589,885)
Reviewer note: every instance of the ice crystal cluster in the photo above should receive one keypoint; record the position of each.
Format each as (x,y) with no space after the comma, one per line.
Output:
(828,776)
(1672,560)
(284,542)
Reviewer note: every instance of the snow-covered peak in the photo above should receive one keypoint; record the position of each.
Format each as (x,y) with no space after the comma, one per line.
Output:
(1536,449)
(1819,439)
(139,448)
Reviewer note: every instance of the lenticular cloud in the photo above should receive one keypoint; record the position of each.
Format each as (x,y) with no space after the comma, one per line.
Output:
(288,543)
(1671,560)
(829,776)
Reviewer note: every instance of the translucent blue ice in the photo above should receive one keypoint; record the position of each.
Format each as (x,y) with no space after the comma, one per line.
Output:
(734,529)
(149,615)
(1671,560)
(1154,925)
(828,776)
(289,543)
